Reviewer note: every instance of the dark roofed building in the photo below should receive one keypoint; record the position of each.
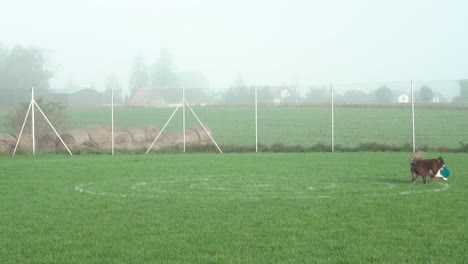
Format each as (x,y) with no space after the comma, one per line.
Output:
(155,97)
(82,98)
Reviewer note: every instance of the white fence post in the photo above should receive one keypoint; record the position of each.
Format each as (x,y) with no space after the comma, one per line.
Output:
(33,125)
(256,120)
(412,114)
(332,117)
(183,114)
(112,126)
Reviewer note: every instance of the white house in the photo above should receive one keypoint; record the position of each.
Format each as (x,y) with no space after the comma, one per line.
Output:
(403,98)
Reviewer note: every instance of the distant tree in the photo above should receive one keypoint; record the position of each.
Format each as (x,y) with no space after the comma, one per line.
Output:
(317,95)
(25,68)
(20,70)
(113,83)
(426,94)
(163,73)
(239,93)
(264,95)
(356,96)
(463,88)
(383,94)
(138,75)
(463,96)
(3,62)
(239,82)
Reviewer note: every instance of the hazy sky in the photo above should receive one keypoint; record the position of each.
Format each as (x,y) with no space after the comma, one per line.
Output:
(267,42)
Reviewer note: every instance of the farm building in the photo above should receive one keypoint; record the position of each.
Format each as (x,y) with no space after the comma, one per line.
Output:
(82,98)
(154,97)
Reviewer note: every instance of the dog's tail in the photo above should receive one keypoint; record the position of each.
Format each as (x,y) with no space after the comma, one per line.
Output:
(416,157)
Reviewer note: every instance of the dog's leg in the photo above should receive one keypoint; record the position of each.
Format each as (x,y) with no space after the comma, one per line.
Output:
(424,179)
(414,176)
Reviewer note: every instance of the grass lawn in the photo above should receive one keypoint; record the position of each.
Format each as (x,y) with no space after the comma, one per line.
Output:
(231,208)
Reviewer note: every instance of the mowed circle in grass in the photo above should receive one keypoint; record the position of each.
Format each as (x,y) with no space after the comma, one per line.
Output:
(241,188)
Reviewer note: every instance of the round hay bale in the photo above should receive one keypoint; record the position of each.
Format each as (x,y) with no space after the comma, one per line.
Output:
(204,137)
(122,136)
(175,137)
(4,147)
(127,145)
(138,134)
(163,139)
(107,146)
(75,138)
(191,136)
(99,134)
(151,133)
(49,142)
(92,144)
(25,142)
(109,129)
(8,139)
(155,146)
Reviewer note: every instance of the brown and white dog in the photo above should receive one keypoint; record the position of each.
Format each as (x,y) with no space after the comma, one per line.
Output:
(424,167)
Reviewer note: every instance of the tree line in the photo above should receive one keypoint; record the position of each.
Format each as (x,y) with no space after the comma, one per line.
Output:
(22,68)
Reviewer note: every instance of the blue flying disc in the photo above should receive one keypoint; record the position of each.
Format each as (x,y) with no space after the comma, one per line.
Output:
(445,172)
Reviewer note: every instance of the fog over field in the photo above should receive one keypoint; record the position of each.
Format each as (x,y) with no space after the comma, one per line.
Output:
(266,42)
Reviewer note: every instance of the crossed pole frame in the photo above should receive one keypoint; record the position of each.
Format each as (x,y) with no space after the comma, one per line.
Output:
(33,104)
(183,104)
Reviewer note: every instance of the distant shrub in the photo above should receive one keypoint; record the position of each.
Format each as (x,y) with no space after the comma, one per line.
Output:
(54,112)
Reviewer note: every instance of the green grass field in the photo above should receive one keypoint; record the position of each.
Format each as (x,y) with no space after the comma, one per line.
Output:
(231,208)
(296,125)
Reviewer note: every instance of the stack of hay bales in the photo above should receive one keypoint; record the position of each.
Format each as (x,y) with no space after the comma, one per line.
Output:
(25,143)
(99,137)
(8,142)
(191,137)
(141,137)
(49,142)
(76,138)
(204,137)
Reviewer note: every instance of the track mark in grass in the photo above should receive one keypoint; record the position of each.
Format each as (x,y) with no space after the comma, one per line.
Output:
(223,188)
(134,187)
(81,188)
(445,186)
(263,185)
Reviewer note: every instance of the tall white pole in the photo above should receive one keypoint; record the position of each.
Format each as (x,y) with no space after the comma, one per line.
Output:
(332,117)
(256,120)
(412,114)
(32,122)
(112,118)
(22,128)
(183,114)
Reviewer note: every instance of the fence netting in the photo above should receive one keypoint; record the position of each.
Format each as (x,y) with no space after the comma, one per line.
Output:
(324,117)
